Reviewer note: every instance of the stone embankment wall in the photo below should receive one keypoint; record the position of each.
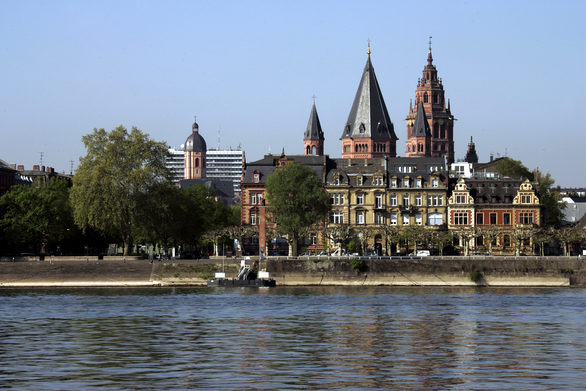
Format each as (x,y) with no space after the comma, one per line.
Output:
(431,271)
(428,271)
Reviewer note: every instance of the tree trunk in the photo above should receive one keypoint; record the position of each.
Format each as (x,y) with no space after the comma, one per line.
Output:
(293,245)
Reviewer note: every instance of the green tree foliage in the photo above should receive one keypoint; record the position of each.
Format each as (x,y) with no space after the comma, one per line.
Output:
(296,200)
(37,214)
(550,200)
(118,167)
(513,168)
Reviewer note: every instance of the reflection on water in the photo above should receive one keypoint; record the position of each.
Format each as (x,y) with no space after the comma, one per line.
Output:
(292,338)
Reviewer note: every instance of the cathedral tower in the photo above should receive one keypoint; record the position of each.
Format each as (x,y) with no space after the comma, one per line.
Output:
(430,94)
(369,131)
(313,138)
(195,155)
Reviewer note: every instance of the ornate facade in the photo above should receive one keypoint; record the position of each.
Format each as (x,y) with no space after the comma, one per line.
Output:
(496,216)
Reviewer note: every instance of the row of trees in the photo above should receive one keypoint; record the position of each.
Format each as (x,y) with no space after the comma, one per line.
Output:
(120,193)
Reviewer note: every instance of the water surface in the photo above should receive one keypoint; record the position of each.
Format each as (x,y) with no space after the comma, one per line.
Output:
(292,338)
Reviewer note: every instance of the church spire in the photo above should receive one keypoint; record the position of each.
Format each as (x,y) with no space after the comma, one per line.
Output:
(369,131)
(313,138)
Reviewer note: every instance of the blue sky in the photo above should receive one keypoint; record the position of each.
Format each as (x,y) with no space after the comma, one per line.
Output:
(513,71)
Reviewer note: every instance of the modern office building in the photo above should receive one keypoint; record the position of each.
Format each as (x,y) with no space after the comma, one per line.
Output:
(175,164)
(225,165)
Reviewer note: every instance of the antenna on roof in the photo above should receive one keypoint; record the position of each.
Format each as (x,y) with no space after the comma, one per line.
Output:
(41,162)
(219,137)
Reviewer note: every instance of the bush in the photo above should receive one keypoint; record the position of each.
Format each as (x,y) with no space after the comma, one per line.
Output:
(476,275)
(358,265)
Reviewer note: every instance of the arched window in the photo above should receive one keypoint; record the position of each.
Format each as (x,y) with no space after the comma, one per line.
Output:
(425,98)
(506,240)
(307,150)
(196,162)
(314,150)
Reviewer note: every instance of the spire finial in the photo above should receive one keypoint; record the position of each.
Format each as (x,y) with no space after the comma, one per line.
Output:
(368,51)
(313,97)
(195,118)
(430,43)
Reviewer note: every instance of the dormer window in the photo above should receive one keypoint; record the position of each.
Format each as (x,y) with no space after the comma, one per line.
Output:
(359,180)
(362,128)
(434,183)
(393,182)
(406,182)
(256,177)
(418,182)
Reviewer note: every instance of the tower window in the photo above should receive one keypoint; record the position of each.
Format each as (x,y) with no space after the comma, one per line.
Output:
(196,162)
(425,98)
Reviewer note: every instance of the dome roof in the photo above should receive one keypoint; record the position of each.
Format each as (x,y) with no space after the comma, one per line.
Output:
(195,143)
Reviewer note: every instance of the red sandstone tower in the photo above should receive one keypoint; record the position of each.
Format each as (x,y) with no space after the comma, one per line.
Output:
(430,95)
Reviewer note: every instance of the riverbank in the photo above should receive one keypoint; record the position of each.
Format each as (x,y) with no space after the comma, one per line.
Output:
(425,271)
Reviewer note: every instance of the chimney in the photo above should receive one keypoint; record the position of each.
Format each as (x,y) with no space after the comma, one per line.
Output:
(36,167)
(20,167)
(491,157)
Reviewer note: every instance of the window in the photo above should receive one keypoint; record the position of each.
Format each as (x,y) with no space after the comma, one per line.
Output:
(256,177)
(506,240)
(379,218)
(393,182)
(337,198)
(418,201)
(313,238)
(435,219)
(418,219)
(525,199)
(359,181)
(393,200)
(393,218)
(493,218)
(435,200)
(461,218)
(418,182)
(378,201)
(360,199)
(360,217)
(507,219)
(253,198)
(461,198)
(405,201)
(253,218)
(337,181)
(405,219)
(434,183)
(378,181)
(479,241)
(406,182)
(526,218)
(337,217)
(479,218)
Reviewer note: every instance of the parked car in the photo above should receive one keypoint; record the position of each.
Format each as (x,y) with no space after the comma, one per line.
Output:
(423,253)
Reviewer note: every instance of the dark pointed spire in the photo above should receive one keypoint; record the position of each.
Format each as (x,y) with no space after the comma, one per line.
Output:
(421,126)
(313,131)
(471,155)
(369,116)
(429,57)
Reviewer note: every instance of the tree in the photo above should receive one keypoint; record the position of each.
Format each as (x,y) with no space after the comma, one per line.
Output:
(489,235)
(415,234)
(442,239)
(117,168)
(39,213)
(339,234)
(568,235)
(296,201)
(513,168)
(550,200)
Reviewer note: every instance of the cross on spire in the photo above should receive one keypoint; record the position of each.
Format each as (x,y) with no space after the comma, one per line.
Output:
(430,43)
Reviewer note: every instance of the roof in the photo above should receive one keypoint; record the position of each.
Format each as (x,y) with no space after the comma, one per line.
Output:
(313,131)
(368,116)
(421,126)
(269,163)
(494,191)
(195,143)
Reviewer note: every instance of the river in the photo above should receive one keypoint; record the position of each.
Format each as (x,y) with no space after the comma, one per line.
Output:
(292,338)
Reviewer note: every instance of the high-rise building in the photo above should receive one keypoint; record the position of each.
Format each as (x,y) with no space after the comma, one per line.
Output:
(175,163)
(225,165)
(430,104)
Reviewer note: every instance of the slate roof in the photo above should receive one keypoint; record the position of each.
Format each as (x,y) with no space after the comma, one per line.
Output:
(268,163)
(195,142)
(421,126)
(313,131)
(493,191)
(368,116)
